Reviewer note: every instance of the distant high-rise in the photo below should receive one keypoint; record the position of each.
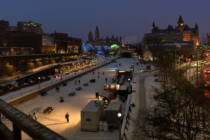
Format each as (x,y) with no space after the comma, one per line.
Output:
(4,26)
(30,27)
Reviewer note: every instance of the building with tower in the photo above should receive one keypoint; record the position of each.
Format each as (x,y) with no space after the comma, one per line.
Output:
(103,41)
(182,35)
(182,32)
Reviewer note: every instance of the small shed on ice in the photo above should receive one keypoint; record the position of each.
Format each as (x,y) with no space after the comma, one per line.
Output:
(91,114)
(111,113)
(106,97)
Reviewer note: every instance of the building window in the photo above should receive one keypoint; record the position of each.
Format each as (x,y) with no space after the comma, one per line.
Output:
(89,120)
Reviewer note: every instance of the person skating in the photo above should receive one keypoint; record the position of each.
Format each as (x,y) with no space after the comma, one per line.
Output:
(75,82)
(93,72)
(67,117)
(30,116)
(103,73)
(35,115)
(106,79)
(98,76)
(79,81)
(96,94)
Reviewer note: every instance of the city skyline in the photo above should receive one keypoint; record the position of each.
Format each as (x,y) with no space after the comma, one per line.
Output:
(130,20)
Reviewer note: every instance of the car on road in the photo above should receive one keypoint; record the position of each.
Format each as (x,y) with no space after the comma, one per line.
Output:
(206,83)
(207,71)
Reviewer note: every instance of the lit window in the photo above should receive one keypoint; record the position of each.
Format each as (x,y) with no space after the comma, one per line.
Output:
(182,24)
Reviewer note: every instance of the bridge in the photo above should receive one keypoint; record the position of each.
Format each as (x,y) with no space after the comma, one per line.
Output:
(127,53)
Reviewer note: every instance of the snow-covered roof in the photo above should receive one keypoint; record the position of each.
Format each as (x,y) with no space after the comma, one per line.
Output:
(92,106)
(115,106)
(121,68)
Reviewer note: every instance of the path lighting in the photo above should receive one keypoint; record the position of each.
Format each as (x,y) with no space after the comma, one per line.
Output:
(61,75)
(39,82)
(119,116)
(129,79)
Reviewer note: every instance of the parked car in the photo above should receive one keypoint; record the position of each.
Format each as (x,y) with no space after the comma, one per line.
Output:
(207,71)
(206,83)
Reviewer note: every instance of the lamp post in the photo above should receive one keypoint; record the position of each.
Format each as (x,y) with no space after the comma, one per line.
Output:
(61,76)
(39,82)
(119,116)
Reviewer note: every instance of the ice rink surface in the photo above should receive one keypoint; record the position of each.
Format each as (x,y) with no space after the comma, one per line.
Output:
(72,104)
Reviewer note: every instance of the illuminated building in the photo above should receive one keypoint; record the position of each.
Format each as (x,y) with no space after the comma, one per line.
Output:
(208,40)
(22,51)
(182,32)
(29,27)
(182,35)
(103,42)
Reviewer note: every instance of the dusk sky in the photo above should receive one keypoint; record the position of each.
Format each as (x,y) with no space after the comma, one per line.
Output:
(130,19)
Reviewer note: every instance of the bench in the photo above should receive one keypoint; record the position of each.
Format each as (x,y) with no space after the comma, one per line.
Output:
(85,84)
(72,94)
(92,80)
(79,88)
(48,110)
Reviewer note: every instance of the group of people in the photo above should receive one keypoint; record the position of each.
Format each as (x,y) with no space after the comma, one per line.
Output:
(76,82)
(33,116)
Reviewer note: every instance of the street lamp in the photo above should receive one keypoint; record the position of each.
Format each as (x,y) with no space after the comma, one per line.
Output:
(61,76)
(39,82)
(119,116)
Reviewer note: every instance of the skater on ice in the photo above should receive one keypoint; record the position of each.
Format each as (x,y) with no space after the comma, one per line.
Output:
(67,117)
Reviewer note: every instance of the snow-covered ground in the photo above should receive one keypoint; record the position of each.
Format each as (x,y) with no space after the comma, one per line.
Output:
(72,104)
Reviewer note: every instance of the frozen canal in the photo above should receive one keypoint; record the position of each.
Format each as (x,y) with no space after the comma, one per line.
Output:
(72,104)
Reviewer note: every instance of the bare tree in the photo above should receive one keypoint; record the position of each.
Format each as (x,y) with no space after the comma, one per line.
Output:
(140,50)
(154,45)
(180,111)
(203,38)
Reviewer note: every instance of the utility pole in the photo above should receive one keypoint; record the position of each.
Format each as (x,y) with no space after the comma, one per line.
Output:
(197,64)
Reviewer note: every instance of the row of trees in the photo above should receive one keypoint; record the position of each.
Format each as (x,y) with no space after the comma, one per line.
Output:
(180,109)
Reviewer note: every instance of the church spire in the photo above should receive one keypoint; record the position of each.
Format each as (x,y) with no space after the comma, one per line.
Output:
(97,26)
(153,24)
(180,19)
(196,26)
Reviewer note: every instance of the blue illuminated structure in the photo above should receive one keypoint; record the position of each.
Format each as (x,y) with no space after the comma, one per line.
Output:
(84,48)
(98,47)
(105,47)
(100,52)
(89,46)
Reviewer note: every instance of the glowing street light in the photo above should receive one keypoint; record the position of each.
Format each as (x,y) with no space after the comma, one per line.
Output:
(39,82)
(119,116)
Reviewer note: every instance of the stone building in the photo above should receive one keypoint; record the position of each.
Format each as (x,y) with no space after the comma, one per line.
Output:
(30,27)
(4,26)
(182,35)
(103,41)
